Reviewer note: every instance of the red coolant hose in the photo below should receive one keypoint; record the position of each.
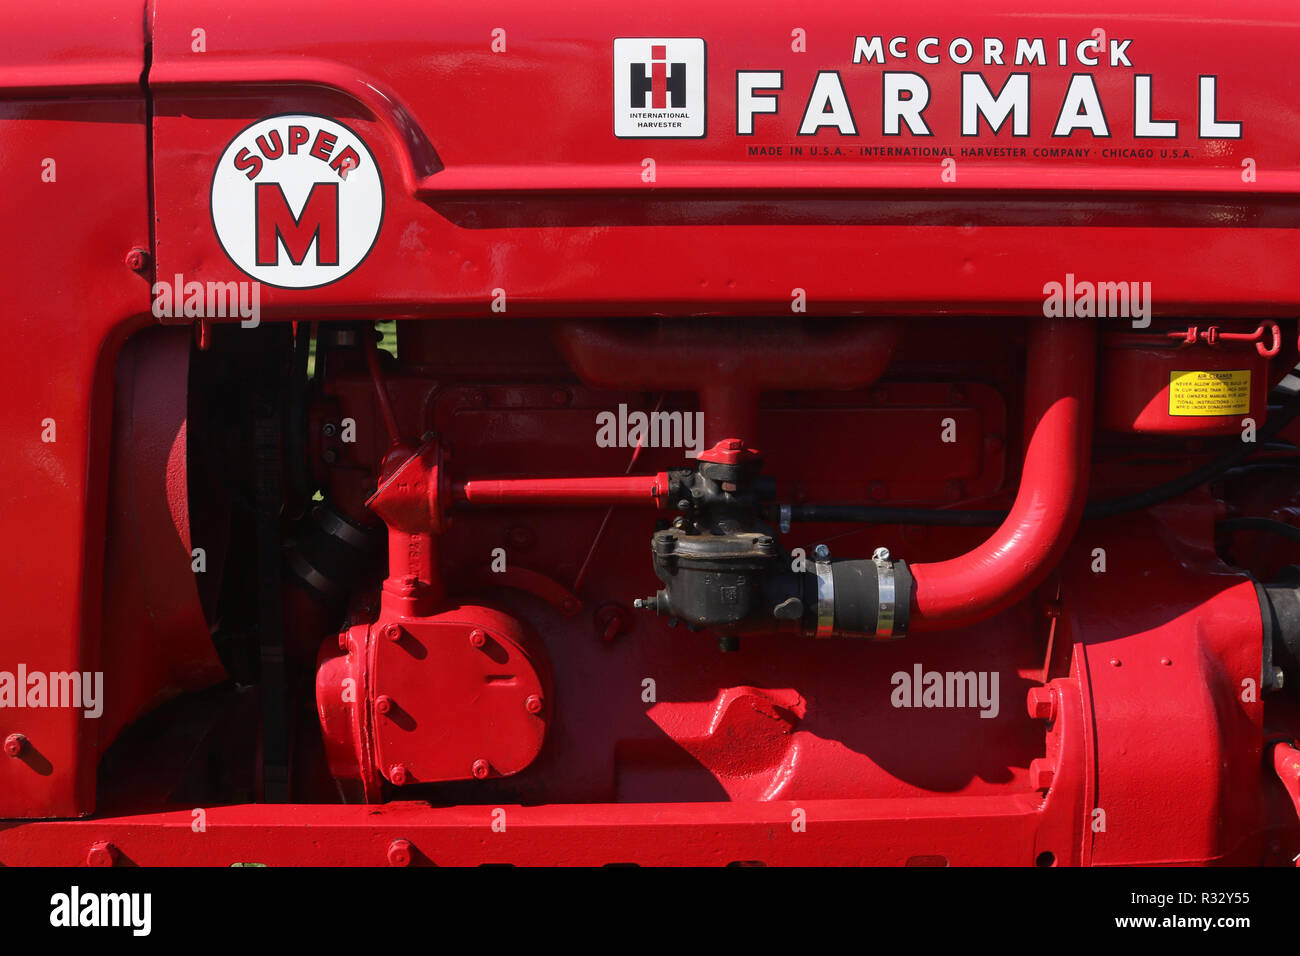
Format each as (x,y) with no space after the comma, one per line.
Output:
(1000,572)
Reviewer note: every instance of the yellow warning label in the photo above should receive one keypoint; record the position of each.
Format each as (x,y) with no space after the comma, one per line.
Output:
(1205,394)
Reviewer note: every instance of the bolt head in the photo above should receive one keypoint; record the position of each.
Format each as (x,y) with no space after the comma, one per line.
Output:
(480,769)
(101,854)
(880,554)
(137,259)
(393,632)
(821,552)
(1041,703)
(397,773)
(399,853)
(15,744)
(383,704)
(478,637)
(533,704)
(1041,774)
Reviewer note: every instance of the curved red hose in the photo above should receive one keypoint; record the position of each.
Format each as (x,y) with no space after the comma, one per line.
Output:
(1053,489)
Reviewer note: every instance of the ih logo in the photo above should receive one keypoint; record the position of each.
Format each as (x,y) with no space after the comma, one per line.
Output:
(661,80)
(297,201)
(659,87)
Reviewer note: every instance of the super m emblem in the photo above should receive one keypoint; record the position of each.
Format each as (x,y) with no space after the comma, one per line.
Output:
(297,201)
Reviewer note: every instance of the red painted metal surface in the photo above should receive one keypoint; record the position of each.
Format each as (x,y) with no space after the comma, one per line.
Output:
(62,89)
(451,696)
(831,308)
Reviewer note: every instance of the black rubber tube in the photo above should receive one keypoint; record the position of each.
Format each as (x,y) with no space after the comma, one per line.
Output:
(867,514)
(1266,525)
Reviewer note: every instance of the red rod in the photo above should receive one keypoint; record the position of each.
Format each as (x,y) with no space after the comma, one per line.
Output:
(1053,488)
(381,392)
(620,490)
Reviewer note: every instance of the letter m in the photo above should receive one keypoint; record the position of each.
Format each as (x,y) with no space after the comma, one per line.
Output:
(318,222)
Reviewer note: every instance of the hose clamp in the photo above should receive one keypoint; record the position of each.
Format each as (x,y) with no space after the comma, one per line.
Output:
(885,592)
(825,592)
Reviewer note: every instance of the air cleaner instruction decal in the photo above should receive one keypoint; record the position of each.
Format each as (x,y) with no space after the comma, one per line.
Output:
(297,201)
(1202,394)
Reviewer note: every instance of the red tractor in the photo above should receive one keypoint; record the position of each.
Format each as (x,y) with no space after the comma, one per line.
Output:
(700,434)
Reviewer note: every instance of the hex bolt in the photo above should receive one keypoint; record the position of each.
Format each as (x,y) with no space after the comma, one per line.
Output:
(330,430)
(478,637)
(533,704)
(15,744)
(399,853)
(1042,704)
(393,632)
(397,773)
(102,853)
(137,259)
(480,769)
(821,552)
(1041,774)
(383,704)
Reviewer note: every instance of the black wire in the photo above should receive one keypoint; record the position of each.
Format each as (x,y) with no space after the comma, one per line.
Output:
(867,514)
(1267,525)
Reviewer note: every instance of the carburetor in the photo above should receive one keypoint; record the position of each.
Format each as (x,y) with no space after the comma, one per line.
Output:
(723,567)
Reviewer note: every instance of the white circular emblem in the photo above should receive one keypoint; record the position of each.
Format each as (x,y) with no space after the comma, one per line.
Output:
(297,201)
